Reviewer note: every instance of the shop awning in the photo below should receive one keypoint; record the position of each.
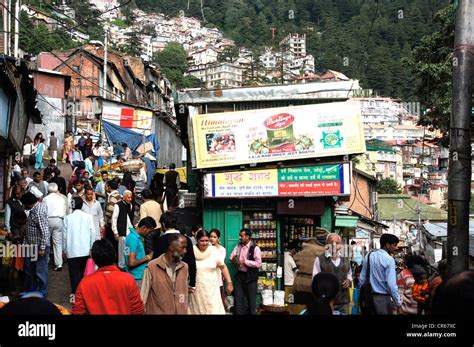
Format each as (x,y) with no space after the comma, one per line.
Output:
(366,227)
(346,221)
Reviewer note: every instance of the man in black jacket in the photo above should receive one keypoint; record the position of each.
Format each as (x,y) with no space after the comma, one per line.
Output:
(160,245)
(172,184)
(60,181)
(122,221)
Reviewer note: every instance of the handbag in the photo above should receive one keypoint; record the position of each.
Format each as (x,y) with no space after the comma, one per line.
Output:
(90,267)
(366,294)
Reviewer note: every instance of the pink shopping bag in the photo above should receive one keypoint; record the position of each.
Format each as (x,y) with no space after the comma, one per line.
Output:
(90,267)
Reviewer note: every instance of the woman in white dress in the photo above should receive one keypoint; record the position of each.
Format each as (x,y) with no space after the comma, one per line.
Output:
(206,298)
(215,240)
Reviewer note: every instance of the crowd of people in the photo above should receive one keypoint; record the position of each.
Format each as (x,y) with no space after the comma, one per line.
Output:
(138,252)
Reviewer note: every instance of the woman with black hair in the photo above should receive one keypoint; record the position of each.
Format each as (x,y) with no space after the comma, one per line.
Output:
(38,138)
(215,240)
(325,287)
(206,298)
(40,149)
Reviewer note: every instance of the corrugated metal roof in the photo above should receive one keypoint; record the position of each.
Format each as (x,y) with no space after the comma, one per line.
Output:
(318,90)
(441,229)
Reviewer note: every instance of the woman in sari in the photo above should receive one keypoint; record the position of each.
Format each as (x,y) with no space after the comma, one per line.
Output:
(206,298)
(39,155)
(68,146)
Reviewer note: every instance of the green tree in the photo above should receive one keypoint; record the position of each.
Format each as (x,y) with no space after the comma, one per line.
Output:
(173,62)
(192,82)
(431,66)
(229,54)
(127,11)
(89,14)
(388,186)
(36,39)
(344,35)
(134,43)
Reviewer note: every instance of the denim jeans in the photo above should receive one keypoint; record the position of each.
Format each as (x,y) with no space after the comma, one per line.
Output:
(36,273)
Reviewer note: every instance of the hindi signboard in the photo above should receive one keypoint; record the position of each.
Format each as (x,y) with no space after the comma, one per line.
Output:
(320,180)
(127,117)
(276,134)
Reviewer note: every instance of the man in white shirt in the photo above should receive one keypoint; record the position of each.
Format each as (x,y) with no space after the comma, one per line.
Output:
(76,156)
(38,187)
(127,152)
(57,209)
(27,152)
(290,267)
(122,221)
(26,176)
(78,237)
(16,172)
(89,165)
(92,207)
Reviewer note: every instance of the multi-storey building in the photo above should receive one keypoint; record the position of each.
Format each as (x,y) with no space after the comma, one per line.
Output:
(219,75)
(295,44)
(378,110)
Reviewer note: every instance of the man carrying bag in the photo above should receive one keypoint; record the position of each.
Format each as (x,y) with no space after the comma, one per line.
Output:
(378,279)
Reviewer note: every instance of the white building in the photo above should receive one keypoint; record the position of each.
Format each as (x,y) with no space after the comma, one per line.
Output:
(390,132)
(270,59)
(106,6)
(198,72)
(119,36)
(292,54)
(218,75)
(203,56)
(147,46)
(383,111)
(295,44)
(197,45)
(388,164)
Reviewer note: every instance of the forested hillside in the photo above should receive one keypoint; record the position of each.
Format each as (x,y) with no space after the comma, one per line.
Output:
(337,32)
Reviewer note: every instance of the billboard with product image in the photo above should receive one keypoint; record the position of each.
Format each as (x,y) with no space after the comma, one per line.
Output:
(277,134)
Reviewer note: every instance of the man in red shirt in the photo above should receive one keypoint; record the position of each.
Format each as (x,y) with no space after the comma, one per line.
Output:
(108,290)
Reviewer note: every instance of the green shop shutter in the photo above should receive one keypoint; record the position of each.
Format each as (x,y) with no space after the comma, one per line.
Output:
(213,218)
(233,225)
(327,218)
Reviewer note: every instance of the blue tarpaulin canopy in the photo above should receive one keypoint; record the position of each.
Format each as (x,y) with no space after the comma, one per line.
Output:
(133,140)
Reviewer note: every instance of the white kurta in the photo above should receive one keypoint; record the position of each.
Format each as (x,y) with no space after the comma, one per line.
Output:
(207,297)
